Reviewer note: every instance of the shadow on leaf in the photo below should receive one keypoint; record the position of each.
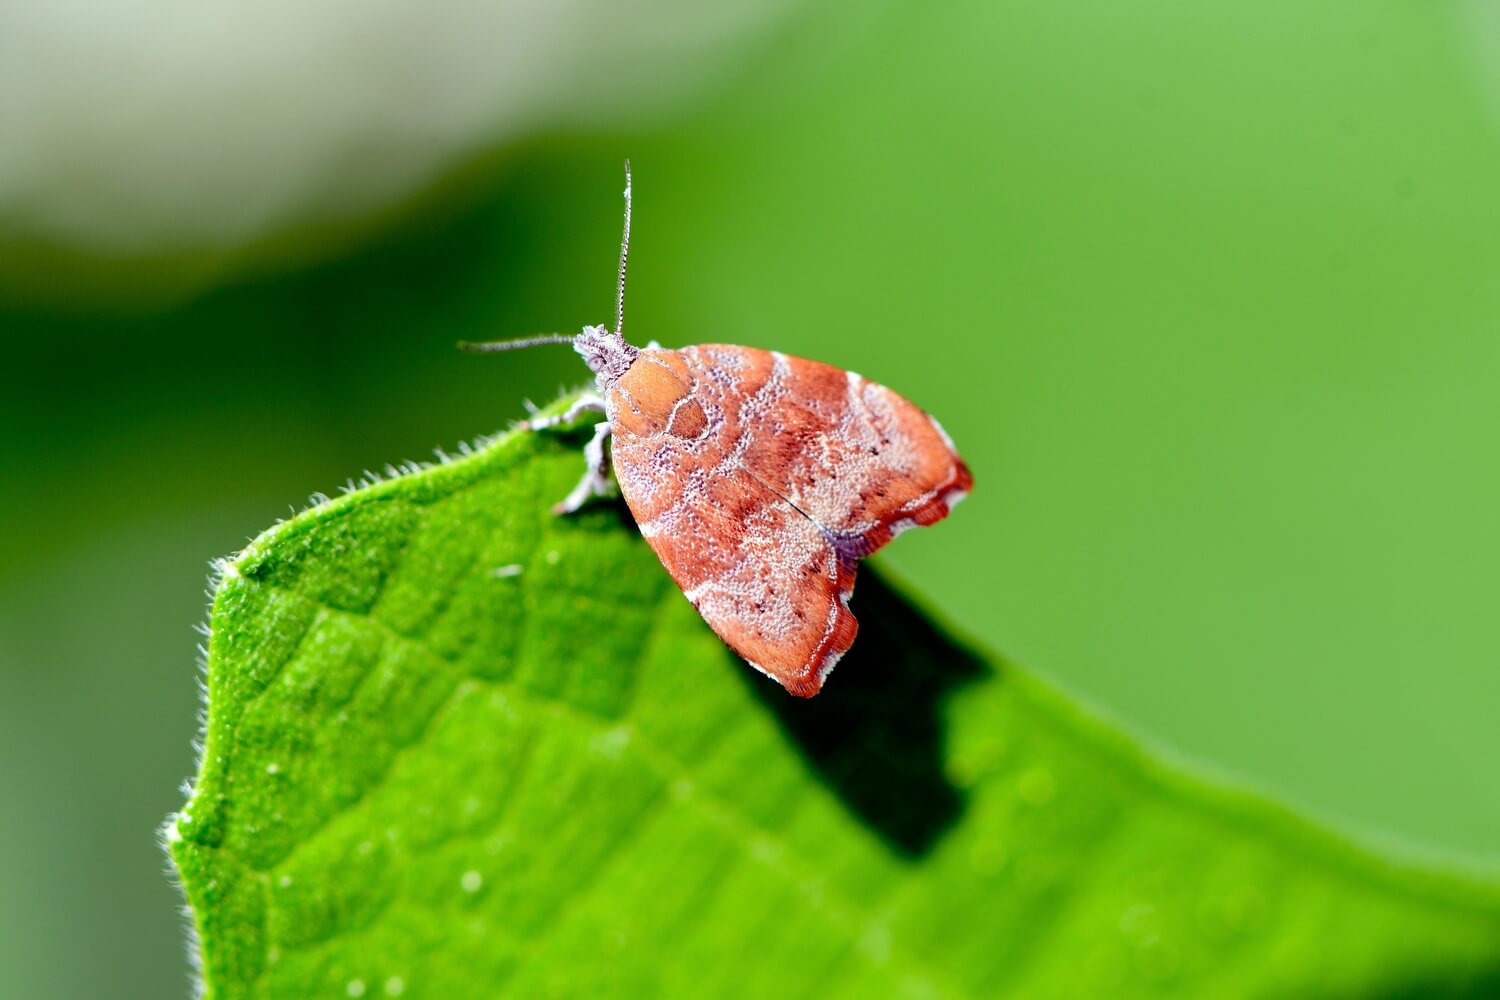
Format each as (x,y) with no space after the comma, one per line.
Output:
(875,733)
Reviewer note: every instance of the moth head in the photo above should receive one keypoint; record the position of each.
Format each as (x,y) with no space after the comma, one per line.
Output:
(605,352)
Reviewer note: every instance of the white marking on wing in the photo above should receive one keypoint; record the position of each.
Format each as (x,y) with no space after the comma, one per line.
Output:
(943,434)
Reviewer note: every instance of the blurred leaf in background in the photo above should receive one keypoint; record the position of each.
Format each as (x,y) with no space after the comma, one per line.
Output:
(149,152)
(1206,292)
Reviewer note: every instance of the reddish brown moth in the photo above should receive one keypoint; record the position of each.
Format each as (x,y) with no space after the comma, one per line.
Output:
(759,479)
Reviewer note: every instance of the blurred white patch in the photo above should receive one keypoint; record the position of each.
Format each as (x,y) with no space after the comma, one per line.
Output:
(133,126)
(1476,26)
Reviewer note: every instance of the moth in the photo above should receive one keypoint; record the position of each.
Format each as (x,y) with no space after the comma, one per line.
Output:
(759,479)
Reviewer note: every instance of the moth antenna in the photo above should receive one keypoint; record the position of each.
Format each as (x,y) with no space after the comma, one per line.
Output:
(488,346)
(624,256)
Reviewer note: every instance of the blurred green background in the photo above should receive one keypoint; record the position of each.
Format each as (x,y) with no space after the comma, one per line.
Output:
(1207,293)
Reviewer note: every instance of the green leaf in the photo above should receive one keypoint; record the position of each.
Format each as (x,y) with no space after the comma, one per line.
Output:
(460,747)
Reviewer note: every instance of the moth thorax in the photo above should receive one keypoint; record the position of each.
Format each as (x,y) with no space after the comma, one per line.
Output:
(658,399)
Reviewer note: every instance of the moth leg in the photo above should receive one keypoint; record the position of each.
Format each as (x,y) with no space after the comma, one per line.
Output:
(595,481)
(589,403)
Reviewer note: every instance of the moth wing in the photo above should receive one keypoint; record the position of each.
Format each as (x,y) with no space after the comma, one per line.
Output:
(761,479)
(764,577)
(862,462)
